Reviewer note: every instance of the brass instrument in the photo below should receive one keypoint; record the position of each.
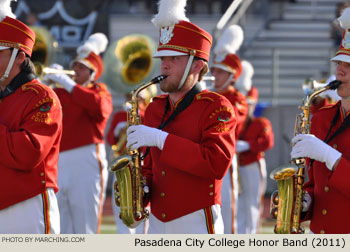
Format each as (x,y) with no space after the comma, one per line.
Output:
(128,62)
(286,204)
(129,187)
(41,70)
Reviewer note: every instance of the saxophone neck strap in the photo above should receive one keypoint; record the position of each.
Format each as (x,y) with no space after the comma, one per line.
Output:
(342,127)
(186,101)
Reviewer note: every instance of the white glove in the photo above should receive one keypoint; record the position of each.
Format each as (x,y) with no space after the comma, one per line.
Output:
(141,135)
(118,128)
(306,202)
(242,146)
(62,79)
(307,145)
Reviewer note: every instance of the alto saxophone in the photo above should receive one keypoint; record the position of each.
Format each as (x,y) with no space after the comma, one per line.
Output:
(286,204)
(129,187)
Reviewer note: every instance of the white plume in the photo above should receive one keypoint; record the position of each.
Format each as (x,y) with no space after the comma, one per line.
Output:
(230,41)
(344,19)
(96,43)
(5,9)
(244,82)
(170,12)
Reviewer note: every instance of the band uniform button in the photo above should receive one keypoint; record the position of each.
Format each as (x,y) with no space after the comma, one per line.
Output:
(162,194)
(211,193)
(163,215)
(322,231)
(42,174)
(335,146)
(324,211)
(326,189)
(163,173)
(43,182)
(211,185)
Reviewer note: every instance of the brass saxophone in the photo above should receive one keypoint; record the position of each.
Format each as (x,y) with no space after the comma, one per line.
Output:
(129,187)
(286,204)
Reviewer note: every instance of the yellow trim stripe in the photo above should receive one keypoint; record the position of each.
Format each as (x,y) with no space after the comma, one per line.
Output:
(195,32)
(13,26)
(13,44)
(233,197)
(184,49)
(46,211)
(101,193)
(209,220)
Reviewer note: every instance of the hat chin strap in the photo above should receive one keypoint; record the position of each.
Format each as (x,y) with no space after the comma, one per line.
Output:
(10,64)
(187,69)
(227,82)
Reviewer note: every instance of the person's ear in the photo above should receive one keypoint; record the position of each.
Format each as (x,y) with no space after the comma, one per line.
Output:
(20,57)
(197,66)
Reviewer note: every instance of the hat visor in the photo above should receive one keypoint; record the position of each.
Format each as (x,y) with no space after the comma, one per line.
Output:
(163,53)
(222,67)
(341,57)
(4,47)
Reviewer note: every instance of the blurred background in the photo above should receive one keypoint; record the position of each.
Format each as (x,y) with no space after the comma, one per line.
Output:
(287,42)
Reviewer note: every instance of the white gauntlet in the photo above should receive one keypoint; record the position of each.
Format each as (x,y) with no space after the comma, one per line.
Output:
(141,135)
(307,145)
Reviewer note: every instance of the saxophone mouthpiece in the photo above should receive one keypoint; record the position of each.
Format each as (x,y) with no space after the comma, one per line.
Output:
(158,78)
(334,84)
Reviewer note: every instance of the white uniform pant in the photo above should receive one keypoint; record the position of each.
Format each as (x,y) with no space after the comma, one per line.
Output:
(229,194)
(121,227)
(193,223)
(37,215)
(249,204)
(82,179)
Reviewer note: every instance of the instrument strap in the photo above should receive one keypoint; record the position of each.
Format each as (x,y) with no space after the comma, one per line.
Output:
(343,126)
(18,81)
(185,102)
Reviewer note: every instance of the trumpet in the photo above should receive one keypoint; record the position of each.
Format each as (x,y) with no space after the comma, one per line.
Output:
(41,70)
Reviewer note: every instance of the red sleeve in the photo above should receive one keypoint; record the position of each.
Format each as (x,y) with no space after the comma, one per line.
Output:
(118,117)
(241,111)
(40,126)
(97,101)
(265,137)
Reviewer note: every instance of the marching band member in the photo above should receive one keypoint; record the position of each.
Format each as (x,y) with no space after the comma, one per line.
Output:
(30,133)
(226,69)
(82,165)
(328,148)
(190,132)
(255,138)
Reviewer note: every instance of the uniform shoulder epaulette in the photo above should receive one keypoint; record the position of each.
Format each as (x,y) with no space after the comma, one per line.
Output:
(261,119)
(329,106)
(211,96)
(103,90)
(162,96)
(37,87)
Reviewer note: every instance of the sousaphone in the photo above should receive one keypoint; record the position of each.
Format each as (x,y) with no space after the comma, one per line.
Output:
(128,62)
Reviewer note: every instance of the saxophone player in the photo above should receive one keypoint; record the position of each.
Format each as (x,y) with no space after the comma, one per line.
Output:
(327,148)
(190,132)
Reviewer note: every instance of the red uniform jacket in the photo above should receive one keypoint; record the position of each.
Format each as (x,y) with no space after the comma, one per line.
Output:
(330,190)
(85,114)
(258,133)
(118,117)
(187,174)
(30,133)
(240,106)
